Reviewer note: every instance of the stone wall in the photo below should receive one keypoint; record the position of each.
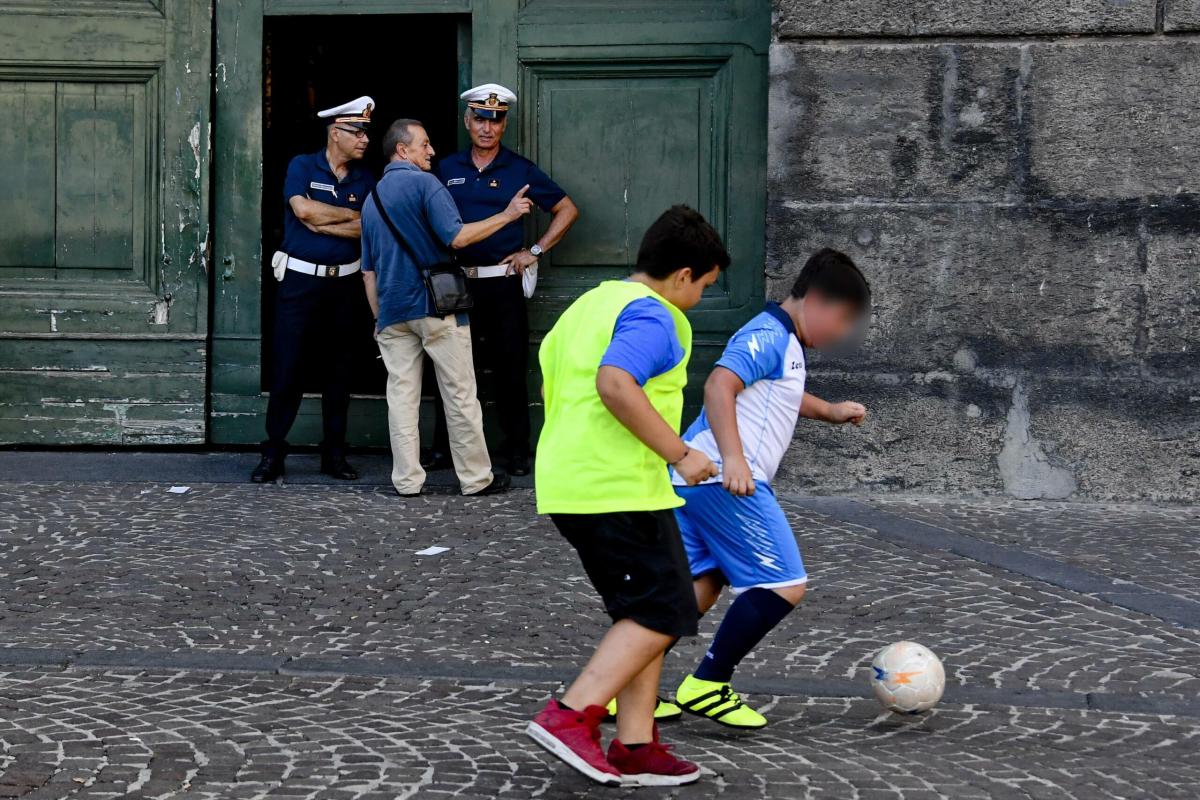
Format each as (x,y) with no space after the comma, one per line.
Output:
(1021,183)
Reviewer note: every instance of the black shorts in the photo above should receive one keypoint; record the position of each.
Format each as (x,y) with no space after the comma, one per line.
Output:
(635,560)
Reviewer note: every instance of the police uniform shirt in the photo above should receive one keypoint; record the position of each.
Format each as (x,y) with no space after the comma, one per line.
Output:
(481,193)
(311,176)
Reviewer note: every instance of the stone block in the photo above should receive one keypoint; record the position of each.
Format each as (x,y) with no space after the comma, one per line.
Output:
(1064,122)
(921,121)
(813,18)
(976,287)
(1115,119)
(1181,15)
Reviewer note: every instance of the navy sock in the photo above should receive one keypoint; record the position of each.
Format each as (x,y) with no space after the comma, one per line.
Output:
(749,619)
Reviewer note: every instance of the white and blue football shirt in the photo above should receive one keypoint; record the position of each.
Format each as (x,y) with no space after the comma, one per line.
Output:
(767,355)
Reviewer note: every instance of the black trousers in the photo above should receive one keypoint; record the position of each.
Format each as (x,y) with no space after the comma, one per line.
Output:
(500,346)
(314,319)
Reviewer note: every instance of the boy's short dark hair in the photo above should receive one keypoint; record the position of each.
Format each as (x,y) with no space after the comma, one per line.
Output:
(835,276)
(680,238)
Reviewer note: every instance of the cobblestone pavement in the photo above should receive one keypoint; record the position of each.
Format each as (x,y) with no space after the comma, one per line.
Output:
(255,641)
(1140,544)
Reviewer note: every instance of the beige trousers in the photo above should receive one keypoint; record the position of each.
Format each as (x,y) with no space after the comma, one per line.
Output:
(449,347)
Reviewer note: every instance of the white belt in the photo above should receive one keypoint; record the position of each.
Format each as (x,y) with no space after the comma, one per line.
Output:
(322,270)
(496,271)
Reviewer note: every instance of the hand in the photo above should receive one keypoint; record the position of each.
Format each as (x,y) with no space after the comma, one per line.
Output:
(519,261)
(695,467)
(841,413)
(520,205)
(737,477)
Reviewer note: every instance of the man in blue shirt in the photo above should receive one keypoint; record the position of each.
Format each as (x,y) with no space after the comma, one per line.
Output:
(407,326)
(481,179)
(320,289)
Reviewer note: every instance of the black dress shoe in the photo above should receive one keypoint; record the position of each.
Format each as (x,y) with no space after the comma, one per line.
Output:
(433,460)
(268,470)
(519,466)
(500,483)
(336,467)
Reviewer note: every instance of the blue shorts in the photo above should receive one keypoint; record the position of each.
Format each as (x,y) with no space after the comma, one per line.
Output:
(746,539)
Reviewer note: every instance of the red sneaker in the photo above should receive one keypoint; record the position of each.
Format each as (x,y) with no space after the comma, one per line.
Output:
(574,737)
(651,764)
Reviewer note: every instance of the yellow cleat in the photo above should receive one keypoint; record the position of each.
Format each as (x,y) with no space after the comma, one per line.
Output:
(717,701)
(665,711)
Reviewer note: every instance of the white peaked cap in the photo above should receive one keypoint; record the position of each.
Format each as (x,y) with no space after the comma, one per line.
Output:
(358,110)
(481,93)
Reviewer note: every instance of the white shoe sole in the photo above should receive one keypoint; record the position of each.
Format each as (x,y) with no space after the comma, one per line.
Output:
(650,779)
(551,743)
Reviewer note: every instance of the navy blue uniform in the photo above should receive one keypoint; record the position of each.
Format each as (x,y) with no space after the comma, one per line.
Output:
(314,315)
(499,319)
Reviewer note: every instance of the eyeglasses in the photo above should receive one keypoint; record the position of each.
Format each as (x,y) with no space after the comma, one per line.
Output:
(357,133)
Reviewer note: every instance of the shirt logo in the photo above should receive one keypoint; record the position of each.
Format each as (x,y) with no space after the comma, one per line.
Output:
(353,198)
(456,181)
(493,184)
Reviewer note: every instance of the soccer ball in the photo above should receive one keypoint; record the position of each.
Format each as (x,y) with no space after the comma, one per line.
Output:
(907,678)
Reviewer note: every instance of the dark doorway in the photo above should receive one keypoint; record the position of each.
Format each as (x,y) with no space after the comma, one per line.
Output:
(408,64)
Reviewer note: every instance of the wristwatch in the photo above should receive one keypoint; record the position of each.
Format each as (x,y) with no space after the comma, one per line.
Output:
(536,250)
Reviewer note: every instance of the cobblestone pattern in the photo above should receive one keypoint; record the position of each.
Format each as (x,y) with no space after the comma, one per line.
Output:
(1157,547)
(243,569)
(98,735)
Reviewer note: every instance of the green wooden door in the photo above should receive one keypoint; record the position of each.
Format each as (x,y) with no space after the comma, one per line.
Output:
(632,106)
(635,106)
(104,112)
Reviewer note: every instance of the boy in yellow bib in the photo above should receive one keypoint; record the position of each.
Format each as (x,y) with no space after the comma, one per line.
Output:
(614,367)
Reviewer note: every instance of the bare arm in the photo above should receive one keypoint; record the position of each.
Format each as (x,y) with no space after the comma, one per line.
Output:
(350,229)
(813,407)
(720,403)
(312,212)
(372,293)
(474,232)
(626,401)
(565,213)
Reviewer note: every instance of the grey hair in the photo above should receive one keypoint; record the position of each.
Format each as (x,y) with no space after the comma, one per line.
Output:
(399,132)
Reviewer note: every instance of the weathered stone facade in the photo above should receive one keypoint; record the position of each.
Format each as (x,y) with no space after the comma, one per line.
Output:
(1018,180)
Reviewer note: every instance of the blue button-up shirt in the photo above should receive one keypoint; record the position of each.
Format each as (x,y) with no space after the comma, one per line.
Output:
(310,176)
(480,193)
(425,214)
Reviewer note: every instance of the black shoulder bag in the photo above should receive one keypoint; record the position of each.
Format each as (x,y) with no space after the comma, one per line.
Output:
(446,282)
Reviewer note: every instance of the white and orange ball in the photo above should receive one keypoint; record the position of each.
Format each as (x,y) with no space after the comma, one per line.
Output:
(907,678)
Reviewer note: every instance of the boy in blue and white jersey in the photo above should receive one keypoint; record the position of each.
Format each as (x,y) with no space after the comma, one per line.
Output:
(733,529)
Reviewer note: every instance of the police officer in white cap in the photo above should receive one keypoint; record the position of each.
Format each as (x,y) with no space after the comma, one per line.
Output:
(481,179)
(320,287)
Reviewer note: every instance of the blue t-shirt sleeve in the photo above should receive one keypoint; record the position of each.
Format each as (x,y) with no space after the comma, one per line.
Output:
(296,182)
(542,190)
(755,353)
(365,245)
(442,212)
(644,343)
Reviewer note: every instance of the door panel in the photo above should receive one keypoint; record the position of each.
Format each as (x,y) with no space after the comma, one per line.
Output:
(636,106)
(104,113)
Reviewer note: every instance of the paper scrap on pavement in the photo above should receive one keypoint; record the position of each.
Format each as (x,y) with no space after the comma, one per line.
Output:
(433,551)
(179,489)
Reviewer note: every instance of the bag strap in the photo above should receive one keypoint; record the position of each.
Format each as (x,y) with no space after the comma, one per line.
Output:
(392,227)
